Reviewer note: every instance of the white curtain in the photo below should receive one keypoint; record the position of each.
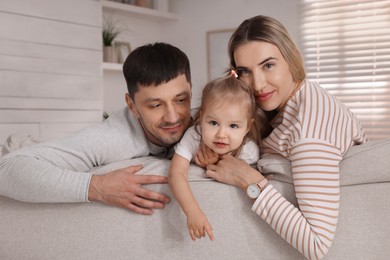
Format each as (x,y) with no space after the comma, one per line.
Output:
(346,47)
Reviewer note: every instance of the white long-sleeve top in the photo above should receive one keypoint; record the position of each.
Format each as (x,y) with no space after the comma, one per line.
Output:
(313,131)
(57,171)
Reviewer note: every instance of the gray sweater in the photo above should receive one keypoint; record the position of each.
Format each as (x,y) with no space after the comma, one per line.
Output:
(58,171)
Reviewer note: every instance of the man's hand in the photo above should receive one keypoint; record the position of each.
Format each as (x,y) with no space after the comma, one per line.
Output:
(123,188)
(206,156)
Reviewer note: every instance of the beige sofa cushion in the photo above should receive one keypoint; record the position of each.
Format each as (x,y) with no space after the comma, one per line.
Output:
(366,163)
(96,231)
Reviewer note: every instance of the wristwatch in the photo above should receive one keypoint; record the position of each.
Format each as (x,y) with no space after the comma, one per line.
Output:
(253,190)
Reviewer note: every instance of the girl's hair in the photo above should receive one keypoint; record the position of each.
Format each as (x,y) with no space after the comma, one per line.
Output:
(231,90)
(267,29)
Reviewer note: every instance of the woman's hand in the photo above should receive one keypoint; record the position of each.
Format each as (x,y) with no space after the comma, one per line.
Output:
(233,171)
(206,156)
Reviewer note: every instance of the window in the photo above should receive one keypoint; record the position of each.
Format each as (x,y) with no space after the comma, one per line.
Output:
(346,48)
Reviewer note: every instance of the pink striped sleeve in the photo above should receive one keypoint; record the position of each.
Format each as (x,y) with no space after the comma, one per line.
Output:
(311,228)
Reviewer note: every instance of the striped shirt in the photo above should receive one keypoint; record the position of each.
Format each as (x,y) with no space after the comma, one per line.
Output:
(313,131)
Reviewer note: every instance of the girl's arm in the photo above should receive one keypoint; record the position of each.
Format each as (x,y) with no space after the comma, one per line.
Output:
(197,222)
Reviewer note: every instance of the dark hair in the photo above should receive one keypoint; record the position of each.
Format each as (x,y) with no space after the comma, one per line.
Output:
(229,89)
(154,64)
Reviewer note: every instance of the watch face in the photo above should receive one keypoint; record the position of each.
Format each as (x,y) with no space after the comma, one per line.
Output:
(253,191)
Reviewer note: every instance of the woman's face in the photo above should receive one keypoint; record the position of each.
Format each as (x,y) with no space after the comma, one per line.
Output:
(263,67)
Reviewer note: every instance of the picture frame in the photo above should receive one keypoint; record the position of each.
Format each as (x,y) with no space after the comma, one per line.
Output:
(123,50)
(217,52)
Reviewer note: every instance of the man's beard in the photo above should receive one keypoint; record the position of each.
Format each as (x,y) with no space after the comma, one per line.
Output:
(160,140)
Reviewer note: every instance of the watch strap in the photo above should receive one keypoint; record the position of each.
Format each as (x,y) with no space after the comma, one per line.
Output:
(263,184)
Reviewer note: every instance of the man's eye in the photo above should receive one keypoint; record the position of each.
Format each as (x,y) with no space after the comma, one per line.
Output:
(154,105)
(182,100)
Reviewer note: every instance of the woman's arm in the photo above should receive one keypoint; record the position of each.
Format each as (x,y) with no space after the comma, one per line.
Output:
(198,224)
(310,228)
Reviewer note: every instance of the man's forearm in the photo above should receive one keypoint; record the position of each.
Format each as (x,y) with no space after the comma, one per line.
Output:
(29,179)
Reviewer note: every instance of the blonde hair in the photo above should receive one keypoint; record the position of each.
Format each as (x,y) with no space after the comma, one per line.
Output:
(229,89)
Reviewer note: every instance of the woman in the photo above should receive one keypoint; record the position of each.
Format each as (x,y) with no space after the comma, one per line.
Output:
(308,126)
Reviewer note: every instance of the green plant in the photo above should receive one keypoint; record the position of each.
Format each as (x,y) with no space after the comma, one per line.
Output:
(110,31)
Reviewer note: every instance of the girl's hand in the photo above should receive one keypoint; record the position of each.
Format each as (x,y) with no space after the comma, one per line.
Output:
(198,225)
(206,156)
(233,171)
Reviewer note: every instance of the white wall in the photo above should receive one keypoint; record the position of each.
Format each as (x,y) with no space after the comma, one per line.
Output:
(50,56)
(189,34)
(50,67)
(198,17)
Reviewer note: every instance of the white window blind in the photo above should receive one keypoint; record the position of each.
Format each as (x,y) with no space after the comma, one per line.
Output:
(346,48)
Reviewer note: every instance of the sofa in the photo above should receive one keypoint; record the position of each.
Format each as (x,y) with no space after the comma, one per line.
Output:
(97,231)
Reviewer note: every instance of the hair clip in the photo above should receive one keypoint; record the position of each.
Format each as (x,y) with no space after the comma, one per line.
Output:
(233,73)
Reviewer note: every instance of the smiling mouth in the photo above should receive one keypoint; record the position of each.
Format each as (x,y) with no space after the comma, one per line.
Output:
(172,128)
(264,97)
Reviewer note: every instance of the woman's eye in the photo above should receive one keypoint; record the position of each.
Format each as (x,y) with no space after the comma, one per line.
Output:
(268,66)
(243,73)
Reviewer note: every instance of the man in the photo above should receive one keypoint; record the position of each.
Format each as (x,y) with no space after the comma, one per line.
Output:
(157,114)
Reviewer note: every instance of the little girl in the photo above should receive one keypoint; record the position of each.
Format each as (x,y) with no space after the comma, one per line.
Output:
(226,122)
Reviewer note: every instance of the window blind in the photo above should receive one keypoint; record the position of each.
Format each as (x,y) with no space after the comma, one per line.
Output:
(346,48)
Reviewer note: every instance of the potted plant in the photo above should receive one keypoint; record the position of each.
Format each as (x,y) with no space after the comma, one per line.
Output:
(110,31)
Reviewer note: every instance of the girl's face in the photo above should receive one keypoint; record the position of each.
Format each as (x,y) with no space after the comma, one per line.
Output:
(261,65)
(224,127)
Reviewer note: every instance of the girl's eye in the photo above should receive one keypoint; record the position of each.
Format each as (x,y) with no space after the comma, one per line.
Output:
(233,126)
(213,123)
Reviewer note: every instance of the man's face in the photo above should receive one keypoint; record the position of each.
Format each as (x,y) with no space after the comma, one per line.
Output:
(163,110)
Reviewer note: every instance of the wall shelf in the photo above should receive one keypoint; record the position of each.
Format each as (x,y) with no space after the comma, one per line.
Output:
(136,11)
